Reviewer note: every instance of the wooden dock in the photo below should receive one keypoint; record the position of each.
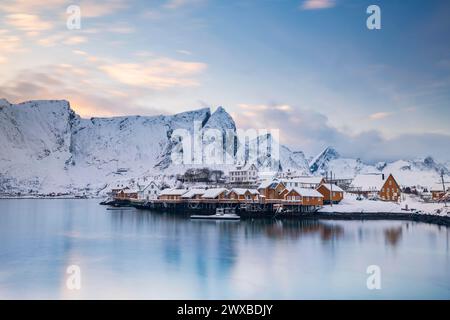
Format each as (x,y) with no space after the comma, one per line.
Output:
(269,209)
(244,208)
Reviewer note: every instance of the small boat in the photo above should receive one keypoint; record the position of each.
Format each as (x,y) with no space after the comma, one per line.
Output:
(221,214)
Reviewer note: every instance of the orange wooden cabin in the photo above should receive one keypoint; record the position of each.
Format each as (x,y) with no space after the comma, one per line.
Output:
(331,193)
(271,190)
(375,185)
(304,196)
(242,194)
(391,190)
(126,194)
(171,194)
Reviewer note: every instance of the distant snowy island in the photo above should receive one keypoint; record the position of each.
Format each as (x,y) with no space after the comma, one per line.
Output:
(48,149)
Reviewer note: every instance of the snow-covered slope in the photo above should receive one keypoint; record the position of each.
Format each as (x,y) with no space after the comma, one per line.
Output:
(418,172)
(35,139)
(329,160)
(47,148)
(283,160)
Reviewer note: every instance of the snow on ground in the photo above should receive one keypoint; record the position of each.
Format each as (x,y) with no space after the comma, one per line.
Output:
(351,205)
(414,202)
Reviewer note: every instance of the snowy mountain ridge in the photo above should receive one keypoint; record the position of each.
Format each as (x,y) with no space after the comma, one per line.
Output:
(424,172)
(47,147)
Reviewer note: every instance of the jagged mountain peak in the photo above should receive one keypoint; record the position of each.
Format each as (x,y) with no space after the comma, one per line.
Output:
(46,147)
(321,160)
(220,119)
(200,111)
(429,162)
(4,103)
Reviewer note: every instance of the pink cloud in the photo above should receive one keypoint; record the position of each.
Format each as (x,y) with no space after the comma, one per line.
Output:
(317,4)
(380,115)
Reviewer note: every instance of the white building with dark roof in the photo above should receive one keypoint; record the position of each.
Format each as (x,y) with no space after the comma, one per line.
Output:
(247,174)
(149,192)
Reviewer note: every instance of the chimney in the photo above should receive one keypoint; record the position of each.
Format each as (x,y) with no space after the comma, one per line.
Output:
(382,176)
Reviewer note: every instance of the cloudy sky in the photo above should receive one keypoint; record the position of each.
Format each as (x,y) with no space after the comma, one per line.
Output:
(309,68)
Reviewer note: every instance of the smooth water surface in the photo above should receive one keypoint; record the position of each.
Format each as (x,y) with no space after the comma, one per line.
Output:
(126,254)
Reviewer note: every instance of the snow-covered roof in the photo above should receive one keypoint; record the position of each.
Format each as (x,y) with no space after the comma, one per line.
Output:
(438,187)
(265,184)
(305,180)
(120,184)
(368,182)
(332,187)
(213,193)
(306,192)
(128,191)
(268,183)
(193,192)
(239,191)
(172,192)
(242,191)
(149,184)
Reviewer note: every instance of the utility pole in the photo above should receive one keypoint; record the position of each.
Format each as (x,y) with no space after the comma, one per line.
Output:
(331,187)
(443,188)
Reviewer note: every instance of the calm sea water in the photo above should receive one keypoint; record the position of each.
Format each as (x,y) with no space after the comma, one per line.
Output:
(139,254)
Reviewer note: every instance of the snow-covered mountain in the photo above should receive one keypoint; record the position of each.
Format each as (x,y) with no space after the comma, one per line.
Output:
(35,139)
(283,160)
(329,160)
(46,147)
(418,172)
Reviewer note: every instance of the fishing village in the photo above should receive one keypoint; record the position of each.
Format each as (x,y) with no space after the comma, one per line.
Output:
(244,194)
